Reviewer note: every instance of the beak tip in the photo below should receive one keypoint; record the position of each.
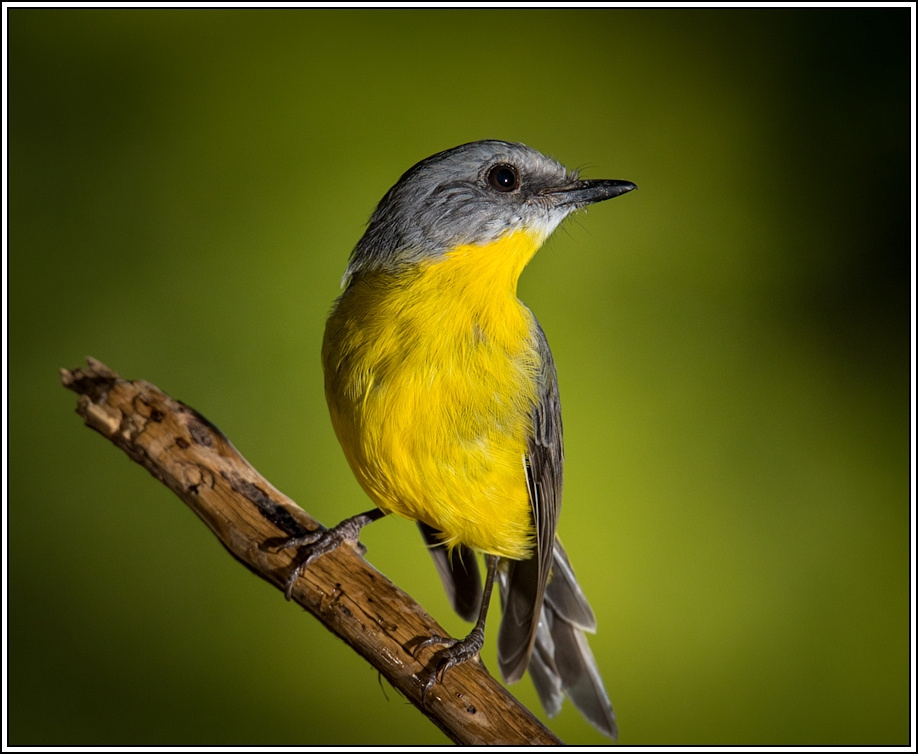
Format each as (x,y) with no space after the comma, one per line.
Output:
(624,187)
(583,193)
(609,189)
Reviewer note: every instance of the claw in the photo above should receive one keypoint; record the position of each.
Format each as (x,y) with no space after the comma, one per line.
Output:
(435,639)
(456,653)
(323,541)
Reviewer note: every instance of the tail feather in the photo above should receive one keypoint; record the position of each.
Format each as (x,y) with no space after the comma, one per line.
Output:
(519,597)
(564,594)
(544,674)
(575,673)
(562,662)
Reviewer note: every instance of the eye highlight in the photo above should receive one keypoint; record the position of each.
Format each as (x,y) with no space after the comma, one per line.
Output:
(504,178)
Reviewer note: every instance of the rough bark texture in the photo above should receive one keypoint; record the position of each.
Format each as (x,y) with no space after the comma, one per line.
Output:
(250,517)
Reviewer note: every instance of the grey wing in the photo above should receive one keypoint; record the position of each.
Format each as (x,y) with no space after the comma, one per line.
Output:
(544,620)
(524,581)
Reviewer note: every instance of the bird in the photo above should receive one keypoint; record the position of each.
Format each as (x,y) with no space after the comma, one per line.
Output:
(443,394)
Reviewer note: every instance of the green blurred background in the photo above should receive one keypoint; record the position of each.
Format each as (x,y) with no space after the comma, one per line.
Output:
(732,342)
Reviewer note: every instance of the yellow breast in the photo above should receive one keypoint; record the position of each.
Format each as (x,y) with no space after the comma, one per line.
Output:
(431,380)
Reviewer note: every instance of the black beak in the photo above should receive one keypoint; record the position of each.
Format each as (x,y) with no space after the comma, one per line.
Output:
(581,193)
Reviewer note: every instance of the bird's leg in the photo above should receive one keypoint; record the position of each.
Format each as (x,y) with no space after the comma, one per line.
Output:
(460,651)
(322,541)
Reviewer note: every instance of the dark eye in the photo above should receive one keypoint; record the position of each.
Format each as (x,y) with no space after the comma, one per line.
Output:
(504,178)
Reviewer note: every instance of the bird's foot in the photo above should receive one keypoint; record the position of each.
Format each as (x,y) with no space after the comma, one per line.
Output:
(323,541)
(457,652)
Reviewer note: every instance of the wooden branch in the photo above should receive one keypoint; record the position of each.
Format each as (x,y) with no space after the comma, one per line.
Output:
(195,460)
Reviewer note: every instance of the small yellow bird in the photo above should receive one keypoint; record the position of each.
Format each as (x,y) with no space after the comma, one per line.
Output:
(443,393)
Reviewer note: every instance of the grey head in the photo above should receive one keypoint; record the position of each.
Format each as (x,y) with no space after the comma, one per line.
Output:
(475,193)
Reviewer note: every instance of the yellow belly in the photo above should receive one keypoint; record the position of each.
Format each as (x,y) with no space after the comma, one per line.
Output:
(431,380)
